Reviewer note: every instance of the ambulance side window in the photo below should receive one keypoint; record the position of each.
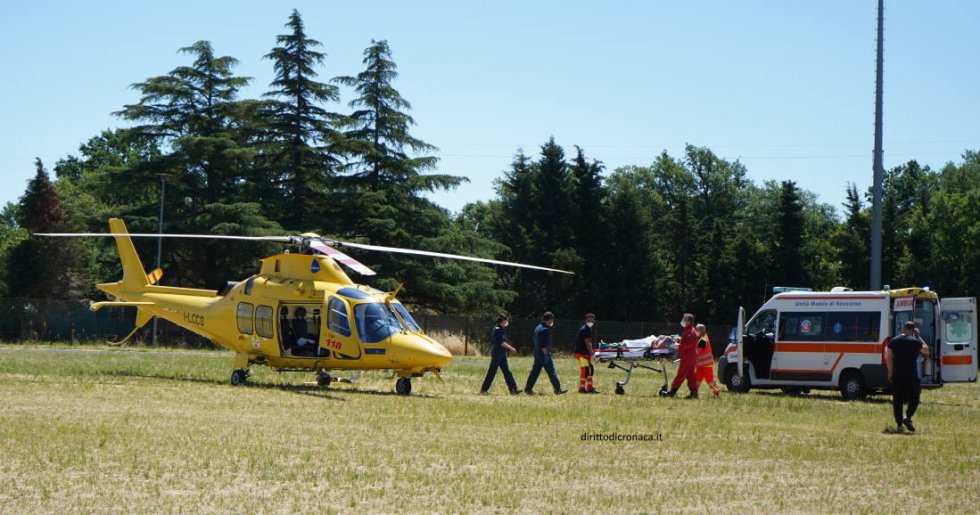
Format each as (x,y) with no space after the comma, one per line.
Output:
(801,326)
(764,322)
(337,319)
(853,326)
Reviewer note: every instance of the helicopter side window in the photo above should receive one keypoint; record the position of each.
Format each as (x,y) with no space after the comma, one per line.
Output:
(375,323)
(244,313)
(263,321)
(337,319)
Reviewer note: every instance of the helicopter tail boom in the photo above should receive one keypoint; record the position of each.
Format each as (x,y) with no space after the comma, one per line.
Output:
(134,276)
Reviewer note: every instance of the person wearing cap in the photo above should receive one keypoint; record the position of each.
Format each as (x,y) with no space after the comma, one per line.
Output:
(900,358)
(542,356)
(499,347)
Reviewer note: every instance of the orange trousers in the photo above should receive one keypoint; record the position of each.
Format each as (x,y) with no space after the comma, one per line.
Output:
(707,374)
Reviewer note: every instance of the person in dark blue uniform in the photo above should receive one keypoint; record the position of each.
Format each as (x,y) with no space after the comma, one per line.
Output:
(542,356)
(499,347)
(900,358)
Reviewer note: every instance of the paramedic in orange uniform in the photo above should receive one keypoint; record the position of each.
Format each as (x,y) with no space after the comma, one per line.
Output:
(688,352)
(705,364)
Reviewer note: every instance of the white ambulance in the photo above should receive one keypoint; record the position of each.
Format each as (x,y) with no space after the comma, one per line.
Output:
(802,340)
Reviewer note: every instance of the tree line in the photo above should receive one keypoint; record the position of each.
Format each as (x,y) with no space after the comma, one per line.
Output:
(684,233)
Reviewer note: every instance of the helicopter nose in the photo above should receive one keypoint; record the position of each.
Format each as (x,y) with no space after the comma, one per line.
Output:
(425,352)
(436,354)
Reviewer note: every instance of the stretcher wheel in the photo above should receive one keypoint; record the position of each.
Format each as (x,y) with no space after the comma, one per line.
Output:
(620,390)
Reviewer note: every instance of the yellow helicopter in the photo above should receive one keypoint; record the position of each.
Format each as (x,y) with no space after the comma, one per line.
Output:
(300,312)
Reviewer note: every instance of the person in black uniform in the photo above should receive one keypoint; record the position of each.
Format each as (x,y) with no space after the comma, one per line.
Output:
(543,358)
(499,347)
(584,349)
(900,357)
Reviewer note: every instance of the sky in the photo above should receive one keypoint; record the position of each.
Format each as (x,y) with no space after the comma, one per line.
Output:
(786,88)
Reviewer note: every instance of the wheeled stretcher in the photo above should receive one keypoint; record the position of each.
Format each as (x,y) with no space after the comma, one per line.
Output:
(628,355)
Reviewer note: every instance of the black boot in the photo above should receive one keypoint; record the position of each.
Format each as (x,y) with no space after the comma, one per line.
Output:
(668,393)
(692,395)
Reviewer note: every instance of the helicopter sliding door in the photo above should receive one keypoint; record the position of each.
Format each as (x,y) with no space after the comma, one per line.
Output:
(299,329)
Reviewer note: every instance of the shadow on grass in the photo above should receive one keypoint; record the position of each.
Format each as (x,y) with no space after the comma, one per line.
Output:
(312,390)
(895,431)
(826,398)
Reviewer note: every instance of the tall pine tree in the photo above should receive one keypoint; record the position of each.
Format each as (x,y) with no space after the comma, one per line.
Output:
(300,136)
(193,112)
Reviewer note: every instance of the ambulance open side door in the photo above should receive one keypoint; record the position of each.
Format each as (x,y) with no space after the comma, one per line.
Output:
(958,339)
(739,335)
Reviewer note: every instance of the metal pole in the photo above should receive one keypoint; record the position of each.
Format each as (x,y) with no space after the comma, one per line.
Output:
(878,168)
(163,186)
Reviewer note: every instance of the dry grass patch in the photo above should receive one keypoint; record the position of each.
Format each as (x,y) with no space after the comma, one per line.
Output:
(455,343)
(150,432)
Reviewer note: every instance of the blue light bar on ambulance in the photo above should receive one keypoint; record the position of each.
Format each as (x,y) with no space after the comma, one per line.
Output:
(783,289)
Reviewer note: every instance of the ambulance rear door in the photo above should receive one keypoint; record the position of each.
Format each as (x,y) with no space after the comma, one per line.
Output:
(958,339)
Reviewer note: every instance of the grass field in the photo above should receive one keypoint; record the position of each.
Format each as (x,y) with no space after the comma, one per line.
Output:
(140,431)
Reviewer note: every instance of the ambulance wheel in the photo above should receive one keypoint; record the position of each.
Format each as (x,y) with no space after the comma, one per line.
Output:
(323,378)
(852,386)
(735,382)
(620,390)
(238,377)
(403,386)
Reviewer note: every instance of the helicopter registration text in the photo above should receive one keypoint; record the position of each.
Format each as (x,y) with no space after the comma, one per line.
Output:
(194,318)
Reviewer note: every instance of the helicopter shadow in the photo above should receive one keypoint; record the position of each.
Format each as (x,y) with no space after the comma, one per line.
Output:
(311,390)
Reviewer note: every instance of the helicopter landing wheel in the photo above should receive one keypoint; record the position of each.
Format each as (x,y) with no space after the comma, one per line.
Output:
(403,386)
(238,377)
(323,378)
(620,390)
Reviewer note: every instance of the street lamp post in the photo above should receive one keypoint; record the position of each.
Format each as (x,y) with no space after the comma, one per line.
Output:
(163,186)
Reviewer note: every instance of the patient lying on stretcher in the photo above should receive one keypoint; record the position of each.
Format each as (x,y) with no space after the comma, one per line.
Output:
(651,347)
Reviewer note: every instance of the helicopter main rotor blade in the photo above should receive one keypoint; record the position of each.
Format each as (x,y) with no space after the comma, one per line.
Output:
(326,246)
(397,250)
(280,239)
(341,258)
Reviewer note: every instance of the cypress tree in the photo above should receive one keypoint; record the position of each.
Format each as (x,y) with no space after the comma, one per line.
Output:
(789,258)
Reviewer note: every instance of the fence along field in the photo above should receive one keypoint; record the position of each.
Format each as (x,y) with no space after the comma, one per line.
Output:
(98,429)
(65,321)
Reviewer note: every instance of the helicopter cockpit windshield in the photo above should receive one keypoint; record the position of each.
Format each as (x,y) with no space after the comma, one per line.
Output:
(376,321)
(407,317)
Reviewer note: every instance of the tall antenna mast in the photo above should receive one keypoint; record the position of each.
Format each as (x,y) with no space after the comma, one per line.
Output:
(878,168)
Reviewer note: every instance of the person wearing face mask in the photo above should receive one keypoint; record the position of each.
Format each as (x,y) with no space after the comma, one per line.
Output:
(687,350)
(584,349)
(705,365)
(542,356)
(499,347)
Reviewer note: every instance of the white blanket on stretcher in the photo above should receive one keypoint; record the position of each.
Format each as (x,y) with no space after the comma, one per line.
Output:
(640,348)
